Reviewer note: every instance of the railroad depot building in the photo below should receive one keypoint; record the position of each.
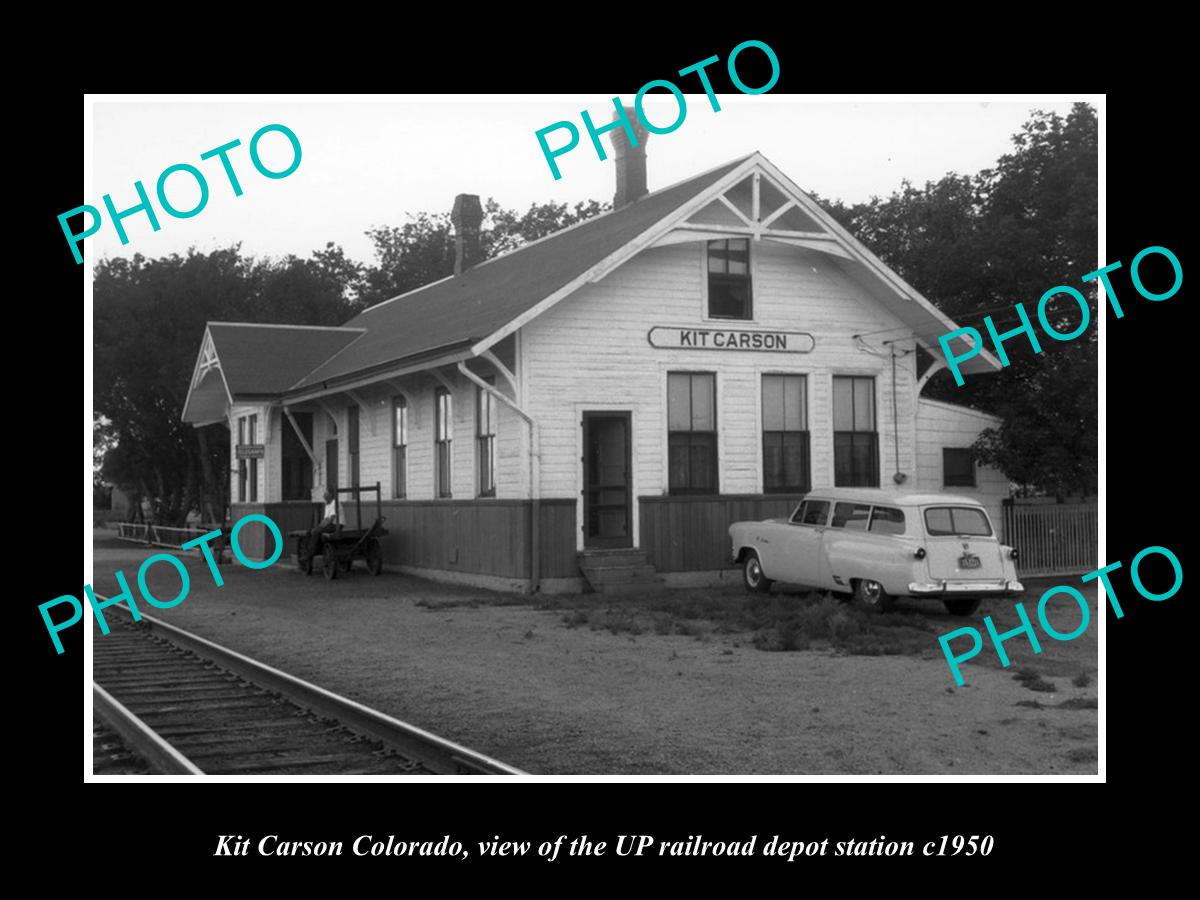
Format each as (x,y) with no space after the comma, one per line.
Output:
(613,395)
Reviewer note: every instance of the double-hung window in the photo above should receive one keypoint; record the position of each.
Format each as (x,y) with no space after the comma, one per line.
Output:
(785,434)
(485,440)
(855,440)
(241,463)
(252,427)
(399,448)
(692,432)
(729,292)
(443,431)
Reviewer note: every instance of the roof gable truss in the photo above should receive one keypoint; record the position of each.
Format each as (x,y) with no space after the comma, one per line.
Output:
(206,362)
(755,206)
(758,200)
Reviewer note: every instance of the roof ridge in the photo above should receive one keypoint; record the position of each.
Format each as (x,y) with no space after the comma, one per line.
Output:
(401,296)
(734,163)
(488,302)
(609,212)
(279,325)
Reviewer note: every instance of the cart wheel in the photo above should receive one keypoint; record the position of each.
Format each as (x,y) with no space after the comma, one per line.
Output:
(331,564)
(303,560)
(374,556)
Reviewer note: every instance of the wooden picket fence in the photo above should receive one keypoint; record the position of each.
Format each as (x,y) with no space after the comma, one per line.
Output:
(1052,538)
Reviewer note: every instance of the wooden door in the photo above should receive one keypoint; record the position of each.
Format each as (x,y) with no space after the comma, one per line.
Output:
(607,488)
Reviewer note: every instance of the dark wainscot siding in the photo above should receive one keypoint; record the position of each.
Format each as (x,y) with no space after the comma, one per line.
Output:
(254,540)
(485,537)
(691,534)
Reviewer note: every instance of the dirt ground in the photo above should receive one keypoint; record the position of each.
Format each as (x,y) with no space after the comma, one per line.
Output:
(514,681)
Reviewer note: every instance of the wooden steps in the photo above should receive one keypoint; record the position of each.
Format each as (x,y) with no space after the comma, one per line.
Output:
(618,572)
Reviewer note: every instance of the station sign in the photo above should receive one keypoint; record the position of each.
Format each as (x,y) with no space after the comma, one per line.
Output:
(671,338)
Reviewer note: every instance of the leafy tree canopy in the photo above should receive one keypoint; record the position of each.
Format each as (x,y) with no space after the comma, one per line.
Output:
(976,245)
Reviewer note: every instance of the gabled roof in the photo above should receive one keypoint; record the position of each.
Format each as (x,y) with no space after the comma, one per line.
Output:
(467,308)
(249,361)
(260,360)
(461,316)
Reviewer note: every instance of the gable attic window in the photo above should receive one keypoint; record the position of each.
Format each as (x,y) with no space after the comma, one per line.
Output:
(729,294)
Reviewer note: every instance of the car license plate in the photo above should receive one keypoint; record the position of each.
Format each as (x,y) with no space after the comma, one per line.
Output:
(969,561)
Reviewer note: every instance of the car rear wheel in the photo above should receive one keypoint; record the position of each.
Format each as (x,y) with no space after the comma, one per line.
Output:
(871,594)
(752,574)
(962,606)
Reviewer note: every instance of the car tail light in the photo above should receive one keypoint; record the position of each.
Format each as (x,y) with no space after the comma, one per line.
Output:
(919,553)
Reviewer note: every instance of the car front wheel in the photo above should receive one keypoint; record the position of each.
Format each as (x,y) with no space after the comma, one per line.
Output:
(752,574)
(871,594)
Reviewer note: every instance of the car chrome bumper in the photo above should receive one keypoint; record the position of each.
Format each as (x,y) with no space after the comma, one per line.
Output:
(947,588)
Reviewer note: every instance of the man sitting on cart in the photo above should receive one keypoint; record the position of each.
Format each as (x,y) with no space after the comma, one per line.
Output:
(327,524)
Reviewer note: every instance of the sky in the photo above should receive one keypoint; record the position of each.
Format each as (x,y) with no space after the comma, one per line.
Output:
(370,162)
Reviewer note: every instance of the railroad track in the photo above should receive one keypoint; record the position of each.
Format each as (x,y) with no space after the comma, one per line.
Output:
(177,703)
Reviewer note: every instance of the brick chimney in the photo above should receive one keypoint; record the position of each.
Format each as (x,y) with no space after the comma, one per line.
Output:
(631,161)
(467,218)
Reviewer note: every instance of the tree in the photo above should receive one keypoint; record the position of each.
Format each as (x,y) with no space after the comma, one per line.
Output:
(422,250)
(509,230)
(150,316)
(975,246)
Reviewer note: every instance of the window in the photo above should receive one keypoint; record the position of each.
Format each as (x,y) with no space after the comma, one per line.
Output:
(855,441)
(885,520)
(443,431)
(252,427)
(241,463)
(966,521)
(692,432)
(352,442)
(958,467)
(485,440)
(851,516)
(785,433)
(729,295)
(399,448)
(811,512)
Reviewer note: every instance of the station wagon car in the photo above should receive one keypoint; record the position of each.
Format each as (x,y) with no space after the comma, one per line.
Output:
(876,545)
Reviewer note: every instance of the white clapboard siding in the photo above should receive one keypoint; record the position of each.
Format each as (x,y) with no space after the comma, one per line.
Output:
(375,449)
(941,425)
(591,352)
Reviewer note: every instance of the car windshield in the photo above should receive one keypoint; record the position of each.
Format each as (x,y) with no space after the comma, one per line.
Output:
(966,521)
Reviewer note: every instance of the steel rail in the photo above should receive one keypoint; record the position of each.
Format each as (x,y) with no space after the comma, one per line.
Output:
(140,737)
(437,753)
